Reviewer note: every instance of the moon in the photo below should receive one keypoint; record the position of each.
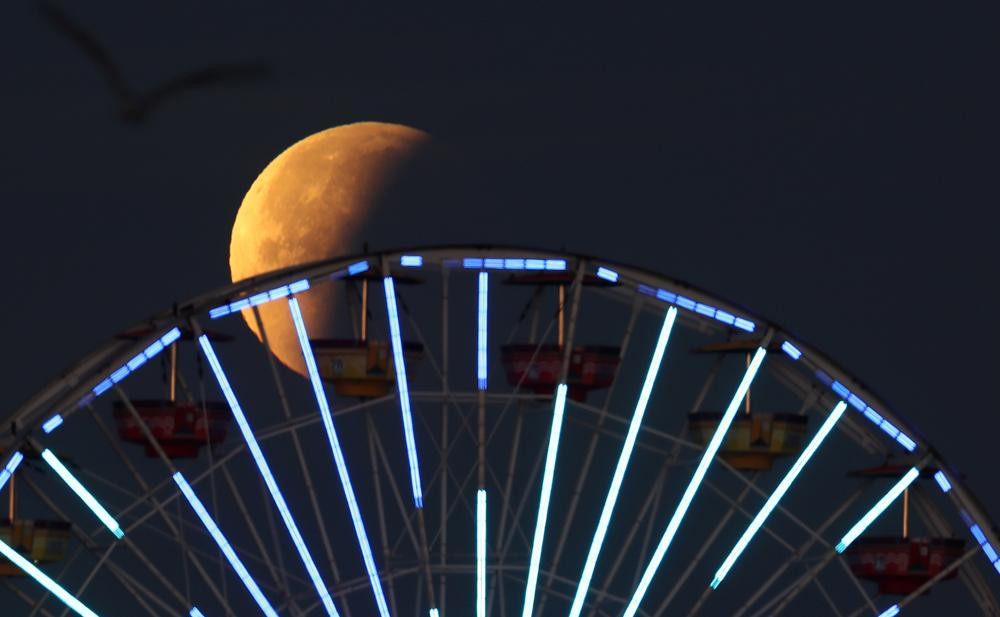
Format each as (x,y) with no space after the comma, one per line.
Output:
(311,203)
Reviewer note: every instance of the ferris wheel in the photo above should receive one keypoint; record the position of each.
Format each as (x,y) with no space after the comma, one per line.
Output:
(486,431)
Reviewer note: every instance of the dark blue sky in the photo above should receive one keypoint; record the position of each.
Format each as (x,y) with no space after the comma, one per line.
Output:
(833,168)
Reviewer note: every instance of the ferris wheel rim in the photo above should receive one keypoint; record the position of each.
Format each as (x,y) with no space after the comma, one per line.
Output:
(31,415)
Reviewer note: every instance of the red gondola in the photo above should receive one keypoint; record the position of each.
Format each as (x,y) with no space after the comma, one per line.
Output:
(900,565)
(536,367)
(590,368)
(180,428)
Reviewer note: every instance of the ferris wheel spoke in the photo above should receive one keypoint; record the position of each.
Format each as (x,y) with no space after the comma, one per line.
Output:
(383,530)
(420,547)
(591,448)
(798,554)
(277,573)
(279,387)
(669,462)
(265,472)
(648,509)
(154,502)
(779,492)
(696,480)
(26,598)
(786,597)
(733,471)
(339,459)
(628,445)
(402,388)
(227,549)
(553,445)
(103,556)
(59,579)
(706,544)
(521,504)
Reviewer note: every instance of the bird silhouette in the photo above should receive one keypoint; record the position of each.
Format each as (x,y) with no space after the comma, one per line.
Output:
(135,107)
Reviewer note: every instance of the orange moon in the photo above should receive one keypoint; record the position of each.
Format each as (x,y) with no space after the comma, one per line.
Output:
(311,203)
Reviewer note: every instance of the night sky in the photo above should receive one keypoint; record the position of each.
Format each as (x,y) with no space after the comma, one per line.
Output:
(832,168)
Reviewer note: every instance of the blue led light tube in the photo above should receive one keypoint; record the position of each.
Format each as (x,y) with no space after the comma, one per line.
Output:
(224,546)
(783,486)
(710,451)
(404,392)
(878,509)
(543,502)
(81,491)
(43,579)
(265,471)
(623,460)
(338,456)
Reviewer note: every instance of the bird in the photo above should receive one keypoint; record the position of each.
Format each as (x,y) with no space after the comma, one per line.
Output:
(135,107)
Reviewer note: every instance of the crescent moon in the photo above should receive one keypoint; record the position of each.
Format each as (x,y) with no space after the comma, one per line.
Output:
(311,203)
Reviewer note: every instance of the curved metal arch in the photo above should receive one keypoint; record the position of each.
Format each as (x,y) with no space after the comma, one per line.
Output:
(65,394)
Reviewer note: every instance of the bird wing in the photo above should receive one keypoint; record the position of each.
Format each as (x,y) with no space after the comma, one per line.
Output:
(89,45)
(230,73)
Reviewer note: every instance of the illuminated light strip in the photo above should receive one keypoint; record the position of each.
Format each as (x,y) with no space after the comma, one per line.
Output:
(878,508)
(81,491)
(623,460)
(404,391)
(697,307)
(338,456)
(509,263)
(10,468)
(411,261)
(484,286)
(856,402)
(607,274)
(543,503)
(942,481)
(434,613)
(258,299)
(906,442)
(981,539)
(892,611)
(52,424)
(53,587)
(790,349)
(224,546)
(196,613)
(783,486)
(138,360)
(358,268)
(710,450)
(875,417)
(481,553)
(268,477)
